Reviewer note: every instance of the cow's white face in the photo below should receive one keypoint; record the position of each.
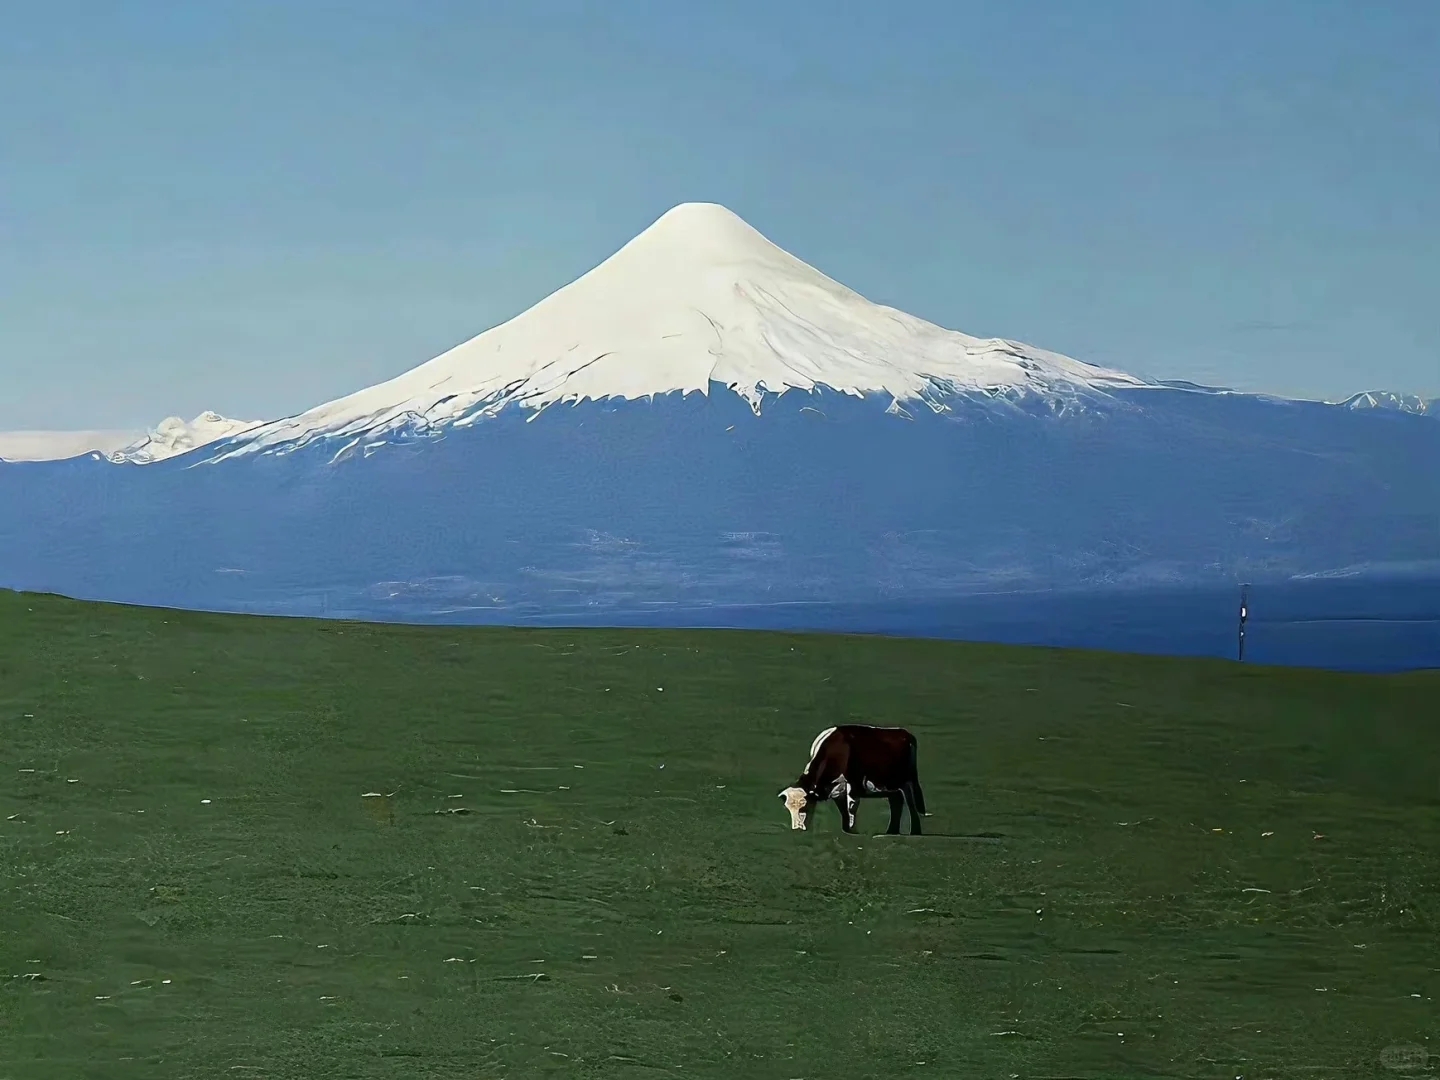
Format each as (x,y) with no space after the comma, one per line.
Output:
(795,801)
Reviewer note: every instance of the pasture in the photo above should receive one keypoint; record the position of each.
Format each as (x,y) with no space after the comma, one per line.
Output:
(259,848)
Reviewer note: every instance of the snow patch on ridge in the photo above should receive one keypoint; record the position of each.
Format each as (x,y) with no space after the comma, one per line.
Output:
(174,436)
(1389,399)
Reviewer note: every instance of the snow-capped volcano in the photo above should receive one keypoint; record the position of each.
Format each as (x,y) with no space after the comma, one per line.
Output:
(699,297)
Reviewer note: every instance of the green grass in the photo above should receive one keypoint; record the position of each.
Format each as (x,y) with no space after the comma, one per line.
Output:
(1117,844)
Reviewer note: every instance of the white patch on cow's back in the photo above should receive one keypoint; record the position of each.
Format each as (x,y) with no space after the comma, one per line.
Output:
(815,746)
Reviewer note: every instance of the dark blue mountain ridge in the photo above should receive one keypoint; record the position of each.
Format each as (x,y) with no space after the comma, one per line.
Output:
(694,500)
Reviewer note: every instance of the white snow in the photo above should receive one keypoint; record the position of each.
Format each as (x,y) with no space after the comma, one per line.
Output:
(174,436)
(59,445)
(700,296)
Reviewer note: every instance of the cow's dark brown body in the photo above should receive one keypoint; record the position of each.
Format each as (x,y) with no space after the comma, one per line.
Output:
(854,762)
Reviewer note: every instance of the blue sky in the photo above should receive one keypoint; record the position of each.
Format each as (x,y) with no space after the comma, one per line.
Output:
(255,206)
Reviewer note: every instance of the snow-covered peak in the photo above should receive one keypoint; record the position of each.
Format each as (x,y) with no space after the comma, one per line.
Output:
(174,436)
(698,297)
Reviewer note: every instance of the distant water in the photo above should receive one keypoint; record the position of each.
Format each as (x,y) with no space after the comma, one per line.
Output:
(1343,624)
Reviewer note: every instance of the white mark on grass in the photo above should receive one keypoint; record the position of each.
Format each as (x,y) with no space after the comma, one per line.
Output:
(204,802)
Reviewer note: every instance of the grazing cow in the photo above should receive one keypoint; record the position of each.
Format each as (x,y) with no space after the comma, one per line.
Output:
(854,762)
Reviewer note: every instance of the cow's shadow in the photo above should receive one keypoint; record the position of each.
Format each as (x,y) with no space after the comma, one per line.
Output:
(974,838)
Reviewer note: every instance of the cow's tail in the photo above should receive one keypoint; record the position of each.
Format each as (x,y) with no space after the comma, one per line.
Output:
(915,779)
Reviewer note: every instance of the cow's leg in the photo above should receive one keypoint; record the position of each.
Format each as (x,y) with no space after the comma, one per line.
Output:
(909,791)
(919,797)
(844,799)
(897,807)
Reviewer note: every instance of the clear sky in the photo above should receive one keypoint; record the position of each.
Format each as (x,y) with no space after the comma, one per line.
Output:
(254,206)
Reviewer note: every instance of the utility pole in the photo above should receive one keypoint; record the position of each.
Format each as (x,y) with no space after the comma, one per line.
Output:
(1244,614)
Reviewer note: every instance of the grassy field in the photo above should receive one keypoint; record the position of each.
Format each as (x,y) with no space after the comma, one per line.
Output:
(235,847)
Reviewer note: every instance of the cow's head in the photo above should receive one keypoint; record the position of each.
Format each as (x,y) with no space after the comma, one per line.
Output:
(797,801)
